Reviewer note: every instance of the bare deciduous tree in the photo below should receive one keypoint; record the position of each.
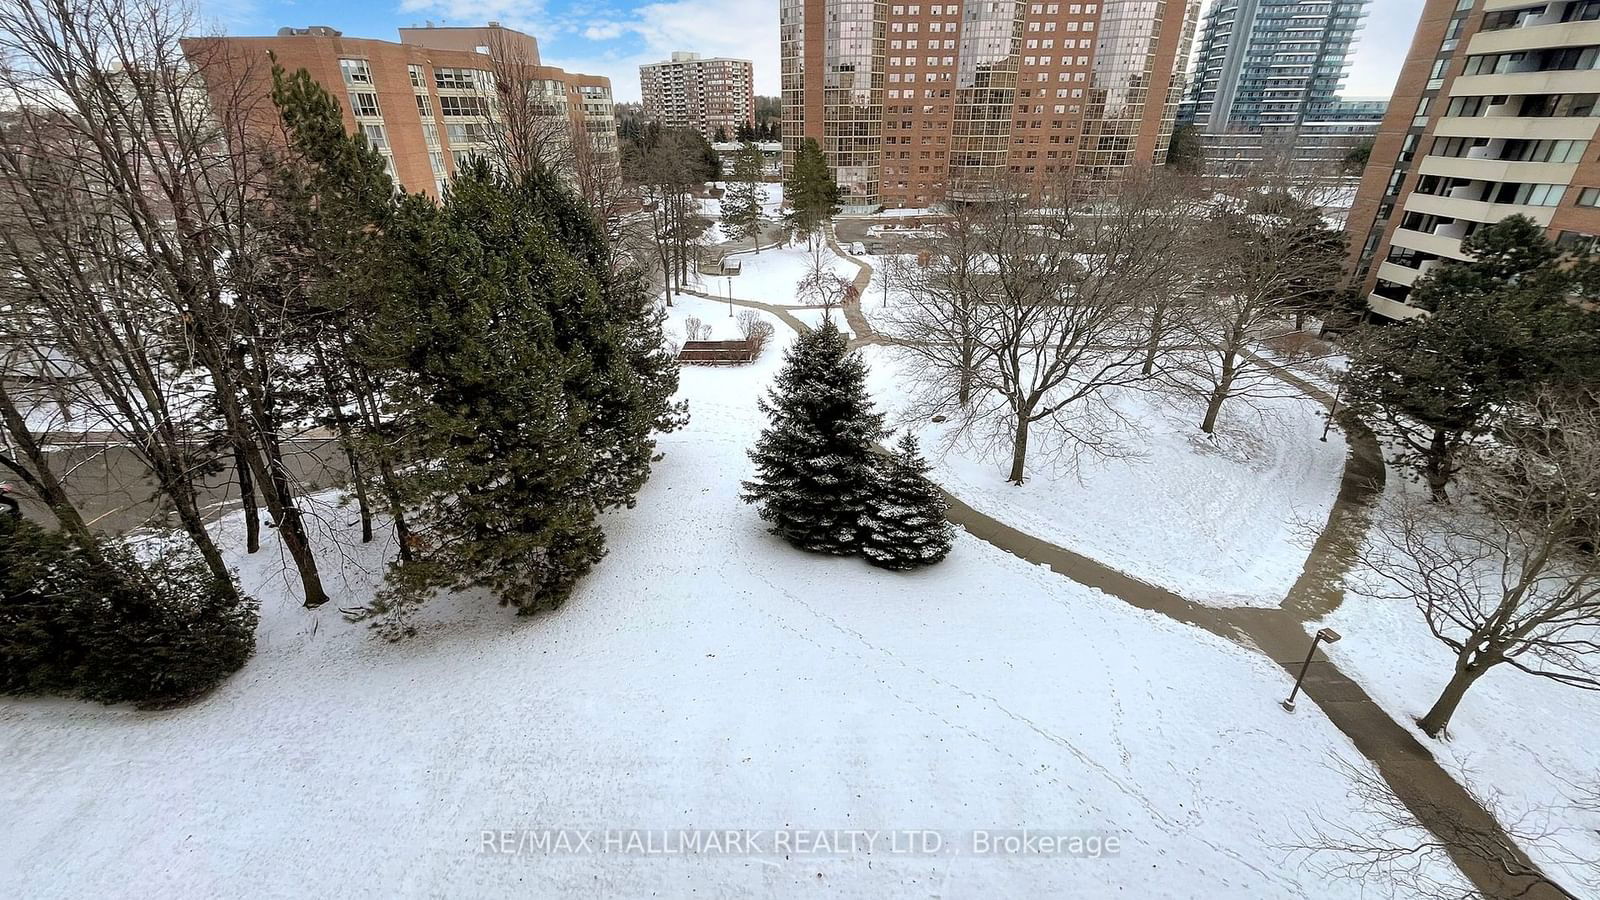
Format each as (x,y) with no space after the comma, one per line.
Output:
(755,330)
(821,286)
(1267,256)
(666,172)
(163,166)
(1392,851)
(529,128)
(1514,581)
(1054,301)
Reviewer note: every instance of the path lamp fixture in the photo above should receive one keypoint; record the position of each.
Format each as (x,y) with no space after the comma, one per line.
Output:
(1325,634)
(1332,411)
(730,296)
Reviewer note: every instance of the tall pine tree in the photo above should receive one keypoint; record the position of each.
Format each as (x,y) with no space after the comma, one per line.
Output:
(741,202)
(537,381)
(815,468)
(810,191)
(904,525)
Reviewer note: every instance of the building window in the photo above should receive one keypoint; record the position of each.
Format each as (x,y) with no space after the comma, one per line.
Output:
(424,106)
(364,104)
(355,71)
(1589,197)
(416,76)
(375,136)
(456,107)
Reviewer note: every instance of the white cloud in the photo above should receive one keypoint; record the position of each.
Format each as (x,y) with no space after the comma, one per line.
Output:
(604,31)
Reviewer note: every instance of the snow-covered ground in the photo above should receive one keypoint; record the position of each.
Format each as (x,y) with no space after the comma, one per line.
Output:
(1525,745)
(1220,520)
(772,275)
(711,208)
(704,676)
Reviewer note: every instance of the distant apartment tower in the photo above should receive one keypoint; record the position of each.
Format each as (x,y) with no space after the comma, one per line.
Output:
(1268,72)
(703,94)
(1494,115)
(425,103)
(919,104)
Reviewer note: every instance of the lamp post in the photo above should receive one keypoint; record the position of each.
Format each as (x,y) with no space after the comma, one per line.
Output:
(1332,410)
(730,296)
(1325,634)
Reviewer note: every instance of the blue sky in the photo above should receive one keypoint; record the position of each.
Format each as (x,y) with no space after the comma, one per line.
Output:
(612,37)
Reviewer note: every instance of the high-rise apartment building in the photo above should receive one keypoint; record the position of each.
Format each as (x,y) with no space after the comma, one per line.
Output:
(1270,64)
(703,94)
(426,103)
(1267,76)
(917,104)
(1494,115)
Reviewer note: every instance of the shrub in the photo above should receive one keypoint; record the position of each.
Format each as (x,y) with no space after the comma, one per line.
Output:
(154,628)
(755,330)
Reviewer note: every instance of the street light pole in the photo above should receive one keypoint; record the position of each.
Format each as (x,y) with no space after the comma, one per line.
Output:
(1332,410)
(1325,634)
(730,296)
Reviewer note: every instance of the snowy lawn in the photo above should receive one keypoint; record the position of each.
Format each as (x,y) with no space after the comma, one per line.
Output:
(704,676)
(711,208)
(1220,520)
(772,275)
(1525,745)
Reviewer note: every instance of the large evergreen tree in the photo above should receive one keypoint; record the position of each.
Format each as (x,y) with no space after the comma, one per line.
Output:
(810,191)
(815,467)
(538,378)
(741,202)
(329,209)
(905,526)
(1496,327)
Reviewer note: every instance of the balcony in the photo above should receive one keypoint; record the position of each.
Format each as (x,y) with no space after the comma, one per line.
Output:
(1475,210)
(1536,36)
(1498,170)
(1391,309)
(1399,274)
(1570,128)
(1577,81)
(1446,245)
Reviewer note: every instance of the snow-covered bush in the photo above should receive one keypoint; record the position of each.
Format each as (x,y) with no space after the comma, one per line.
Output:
(904,525)
(153,628)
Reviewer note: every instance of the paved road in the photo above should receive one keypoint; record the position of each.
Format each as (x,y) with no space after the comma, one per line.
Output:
(113,489)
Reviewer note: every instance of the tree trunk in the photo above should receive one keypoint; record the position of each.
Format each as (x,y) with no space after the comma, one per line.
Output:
(1219,394)
(1019,451)
(236,384)
(247,497)
(1153,347)
(1438,718)
(189,515)
(1436,465)
(402,530)
(42,477)
(359,484)
(333,397)
(366,391)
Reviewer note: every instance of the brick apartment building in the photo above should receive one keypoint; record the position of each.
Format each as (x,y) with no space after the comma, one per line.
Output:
(916,104)
(1494,115)
(424,102)
(704,94)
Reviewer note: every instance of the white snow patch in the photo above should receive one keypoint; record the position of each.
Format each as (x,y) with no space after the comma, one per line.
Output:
(704,676)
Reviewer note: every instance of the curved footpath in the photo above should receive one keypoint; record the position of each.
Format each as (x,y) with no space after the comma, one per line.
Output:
(1435,798)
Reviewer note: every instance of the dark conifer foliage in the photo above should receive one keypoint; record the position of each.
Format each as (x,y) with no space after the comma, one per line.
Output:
(905,526)
(537,379)
(815,464)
